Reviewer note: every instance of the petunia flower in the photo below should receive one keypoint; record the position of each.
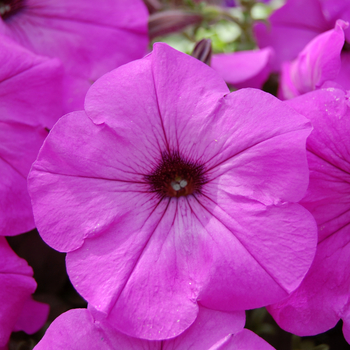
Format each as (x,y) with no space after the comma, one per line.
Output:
(89,37)
(324,295)
(168,192)
(295,24)
(18,311)
(318,64)
(244,68)
(30,103)
(212,330)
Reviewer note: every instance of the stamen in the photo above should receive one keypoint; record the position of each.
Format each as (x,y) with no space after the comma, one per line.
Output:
(183,183)
(176,176)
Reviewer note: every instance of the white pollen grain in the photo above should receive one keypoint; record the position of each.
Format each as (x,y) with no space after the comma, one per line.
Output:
(175,186)
(183,183)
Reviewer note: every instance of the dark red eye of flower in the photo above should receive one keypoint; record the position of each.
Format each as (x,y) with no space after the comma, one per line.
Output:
(175,176)
(10,7)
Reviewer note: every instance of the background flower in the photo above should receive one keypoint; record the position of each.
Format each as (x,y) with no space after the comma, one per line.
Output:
(89,38)
(244,68)
(323,297)
(319,63)
(30,103)
(296,23)
(18,311)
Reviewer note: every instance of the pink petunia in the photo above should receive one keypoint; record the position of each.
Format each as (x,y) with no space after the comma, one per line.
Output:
(168,191)
(30,103)
(18,311)
(296,23)
(324,295)
(244,68)
(212,330)
(89,37)
(318,64)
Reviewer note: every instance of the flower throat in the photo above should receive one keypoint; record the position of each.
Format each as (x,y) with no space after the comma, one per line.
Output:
(175,176)
(10,7)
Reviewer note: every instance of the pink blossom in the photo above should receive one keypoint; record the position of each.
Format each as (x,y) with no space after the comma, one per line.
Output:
(319,63)
(323,297)
(212,330)
(89,37)
(30,103)
(244,68)
(18,311)
(168,191)
(296,23)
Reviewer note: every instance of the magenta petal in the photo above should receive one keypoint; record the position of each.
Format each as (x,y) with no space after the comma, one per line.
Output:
(163,113)
(30,102)
(346,326)
(323,297)
(132,297)
(269,138)
(317,305)
(109,182)
(33,316)
(89,40)
(17,284)
(30,86)
(317,63)
(136,121)
(187,93)
(76,329)
(244,340)
(336,9)
(210,327)
(327,197)
(291,28)
(274,243)
(245,68)
(343,78)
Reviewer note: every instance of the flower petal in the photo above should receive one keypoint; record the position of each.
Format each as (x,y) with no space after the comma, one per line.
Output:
(17,284)
(299,21)
(275,244)
(30,86)
(83,36)
(316,64)
(244,340)
(76,329)
(327,197)
(317,305)
(257,146)
(244,68)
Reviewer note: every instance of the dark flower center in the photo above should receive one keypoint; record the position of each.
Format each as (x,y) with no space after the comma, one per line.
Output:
(10,7)
(175,176)
(346,47)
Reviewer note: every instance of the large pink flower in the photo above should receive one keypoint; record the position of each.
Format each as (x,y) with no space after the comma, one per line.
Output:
(89,37)
(168,191)
(18,311)
(30,103)
(324,295)
(212,330)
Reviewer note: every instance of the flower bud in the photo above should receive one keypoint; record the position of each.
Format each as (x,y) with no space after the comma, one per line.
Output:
(202,51)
